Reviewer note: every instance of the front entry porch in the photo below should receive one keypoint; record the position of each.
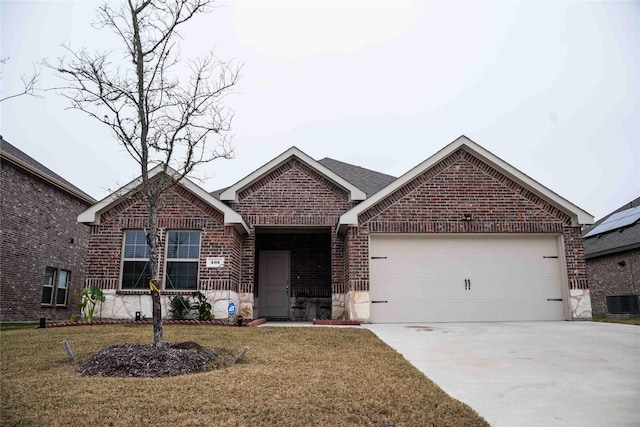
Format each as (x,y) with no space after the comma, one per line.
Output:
(293,273)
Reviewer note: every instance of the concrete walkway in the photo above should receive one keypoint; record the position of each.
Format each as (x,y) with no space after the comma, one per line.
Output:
(530,373)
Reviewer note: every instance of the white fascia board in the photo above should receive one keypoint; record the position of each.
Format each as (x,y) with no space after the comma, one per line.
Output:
(231,193)
(92,215)
(578,216)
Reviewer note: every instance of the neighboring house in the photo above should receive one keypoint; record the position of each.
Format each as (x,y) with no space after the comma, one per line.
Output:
(463,236)
(612,252)
(43,248)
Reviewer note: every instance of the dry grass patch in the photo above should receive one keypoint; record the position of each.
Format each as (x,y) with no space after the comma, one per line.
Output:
(290,377)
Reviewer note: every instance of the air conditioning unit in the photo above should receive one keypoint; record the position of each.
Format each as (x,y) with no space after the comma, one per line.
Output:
(623,304)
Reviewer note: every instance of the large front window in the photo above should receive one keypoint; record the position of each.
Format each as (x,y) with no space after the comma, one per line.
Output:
(135,263)
(183,254)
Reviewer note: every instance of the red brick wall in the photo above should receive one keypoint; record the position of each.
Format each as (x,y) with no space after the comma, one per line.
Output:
(291,195)
(179,210)
(38,223)
(435,201)
(607,277)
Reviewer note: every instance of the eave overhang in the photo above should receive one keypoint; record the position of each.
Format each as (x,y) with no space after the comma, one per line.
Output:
(231,193)
(92,215)
(578,216)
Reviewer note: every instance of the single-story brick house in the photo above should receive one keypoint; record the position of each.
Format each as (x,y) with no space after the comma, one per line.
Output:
(42,247)
(612,253)
(463,236)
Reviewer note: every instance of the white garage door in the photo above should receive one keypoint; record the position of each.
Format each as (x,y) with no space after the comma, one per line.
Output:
(418,278)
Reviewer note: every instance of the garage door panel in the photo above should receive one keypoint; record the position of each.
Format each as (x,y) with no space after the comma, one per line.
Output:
(465,278)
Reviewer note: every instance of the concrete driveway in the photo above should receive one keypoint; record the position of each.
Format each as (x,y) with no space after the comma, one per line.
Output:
(530,373)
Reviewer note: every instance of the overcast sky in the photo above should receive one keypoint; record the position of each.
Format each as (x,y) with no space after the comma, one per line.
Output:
(550,87)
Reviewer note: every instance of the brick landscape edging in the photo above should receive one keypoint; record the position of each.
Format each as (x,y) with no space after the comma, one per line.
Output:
(254,322)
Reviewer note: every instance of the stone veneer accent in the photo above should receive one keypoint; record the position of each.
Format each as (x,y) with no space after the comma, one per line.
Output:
(125,306)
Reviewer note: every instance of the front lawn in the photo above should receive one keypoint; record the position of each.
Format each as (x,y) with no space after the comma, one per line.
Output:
(290,377)
(623,320)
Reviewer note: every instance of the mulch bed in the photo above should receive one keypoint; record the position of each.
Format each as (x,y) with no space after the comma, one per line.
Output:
(146,360)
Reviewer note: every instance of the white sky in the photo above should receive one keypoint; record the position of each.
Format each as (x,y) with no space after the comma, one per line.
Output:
(550,87)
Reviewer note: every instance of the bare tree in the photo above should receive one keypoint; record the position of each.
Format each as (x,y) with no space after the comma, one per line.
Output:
(160,116)
(29,82)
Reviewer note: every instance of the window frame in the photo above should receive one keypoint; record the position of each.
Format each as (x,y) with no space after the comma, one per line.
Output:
(181,260)
(124,260)
(51,281)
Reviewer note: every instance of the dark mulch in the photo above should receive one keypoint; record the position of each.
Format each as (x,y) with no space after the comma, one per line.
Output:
(145,360)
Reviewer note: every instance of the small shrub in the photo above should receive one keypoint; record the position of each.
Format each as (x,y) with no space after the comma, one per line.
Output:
(202,306)
(90,297)
(179,307)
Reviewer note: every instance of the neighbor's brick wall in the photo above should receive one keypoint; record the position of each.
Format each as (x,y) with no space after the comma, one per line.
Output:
(435,201)
(38,223)
(291,195)
(607,277)
(179,210)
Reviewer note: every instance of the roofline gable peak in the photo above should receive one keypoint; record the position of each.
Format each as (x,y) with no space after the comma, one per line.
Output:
(92,215)
(231,193)
(578,216)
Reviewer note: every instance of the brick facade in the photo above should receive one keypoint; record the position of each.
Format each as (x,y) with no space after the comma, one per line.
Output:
(292,195)
(435,201)
(179,210)
(293,207)
(39,230)
(608,277)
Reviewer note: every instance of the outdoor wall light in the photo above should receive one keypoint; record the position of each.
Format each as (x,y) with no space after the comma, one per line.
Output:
(622,263)
(467,216)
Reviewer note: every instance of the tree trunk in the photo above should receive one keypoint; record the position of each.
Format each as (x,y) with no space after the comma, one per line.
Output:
(153,241)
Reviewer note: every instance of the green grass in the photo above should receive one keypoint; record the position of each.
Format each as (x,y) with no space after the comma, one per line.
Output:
(7,326)
(290,377)
(604,318)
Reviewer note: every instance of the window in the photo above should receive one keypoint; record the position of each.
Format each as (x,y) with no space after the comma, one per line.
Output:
(54,288)
(135,262)
(183,254)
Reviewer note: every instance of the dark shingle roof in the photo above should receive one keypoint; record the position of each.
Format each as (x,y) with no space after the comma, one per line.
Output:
(613,241)
(366,180)
(16,156)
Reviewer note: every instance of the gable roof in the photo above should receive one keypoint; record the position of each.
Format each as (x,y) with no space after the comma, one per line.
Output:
(18,158)
(615,239)
(92,215)
(231,193)
(367,180)
(578,216)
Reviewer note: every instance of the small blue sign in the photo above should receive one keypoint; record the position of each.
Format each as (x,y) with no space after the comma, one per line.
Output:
(232,309)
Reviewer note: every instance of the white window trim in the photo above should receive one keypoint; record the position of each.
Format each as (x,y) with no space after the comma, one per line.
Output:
(191,260)
(123,260)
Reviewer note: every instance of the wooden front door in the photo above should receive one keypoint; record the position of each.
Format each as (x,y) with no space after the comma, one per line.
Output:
(274,283)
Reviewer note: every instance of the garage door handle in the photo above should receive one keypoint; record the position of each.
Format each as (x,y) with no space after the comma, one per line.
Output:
(554,299)
(378,302)
(467,284)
